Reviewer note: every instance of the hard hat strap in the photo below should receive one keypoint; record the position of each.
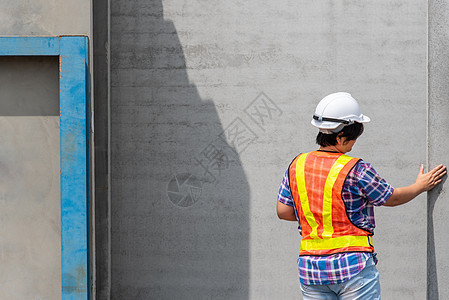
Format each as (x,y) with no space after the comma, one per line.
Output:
(332,120)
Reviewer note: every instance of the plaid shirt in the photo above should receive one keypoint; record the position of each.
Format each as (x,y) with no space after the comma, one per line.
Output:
(363,189)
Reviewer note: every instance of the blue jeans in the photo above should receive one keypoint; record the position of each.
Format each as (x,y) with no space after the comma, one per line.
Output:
(363,286)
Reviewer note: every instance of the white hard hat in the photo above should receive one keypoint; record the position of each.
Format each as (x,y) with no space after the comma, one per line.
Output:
(337,110)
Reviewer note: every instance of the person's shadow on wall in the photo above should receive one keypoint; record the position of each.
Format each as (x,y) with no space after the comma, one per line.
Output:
(180,197)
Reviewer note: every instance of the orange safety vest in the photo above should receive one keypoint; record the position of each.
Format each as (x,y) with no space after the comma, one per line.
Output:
(316,183)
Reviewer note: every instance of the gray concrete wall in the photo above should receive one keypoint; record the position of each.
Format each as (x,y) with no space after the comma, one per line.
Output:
(230,87)
(29,155)
(169,244)
(101,110)
(30,242)
(42,17)
(438,121)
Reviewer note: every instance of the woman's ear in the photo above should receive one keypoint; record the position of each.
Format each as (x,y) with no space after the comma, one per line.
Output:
(339,138)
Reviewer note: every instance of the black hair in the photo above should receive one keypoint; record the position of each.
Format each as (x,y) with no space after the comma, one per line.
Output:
(350,132)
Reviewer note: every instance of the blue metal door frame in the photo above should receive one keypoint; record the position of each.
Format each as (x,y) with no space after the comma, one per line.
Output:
(73,98)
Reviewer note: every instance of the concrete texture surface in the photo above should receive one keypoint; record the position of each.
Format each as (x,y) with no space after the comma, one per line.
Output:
(101,62)
(229,88)
(30,243)
(438,121)
(30,105)
(42,17)
(23,83)
(29,110)
(170,248)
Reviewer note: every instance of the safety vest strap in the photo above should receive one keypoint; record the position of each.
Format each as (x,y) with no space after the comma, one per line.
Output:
(300,180)
(337,242)
(328,229)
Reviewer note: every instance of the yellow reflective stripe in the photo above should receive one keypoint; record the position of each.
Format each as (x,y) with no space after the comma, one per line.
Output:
(300,181)
(337,242)
(328,229)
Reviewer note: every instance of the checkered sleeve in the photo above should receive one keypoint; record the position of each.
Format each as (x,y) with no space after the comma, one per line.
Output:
(285,194)
(374,187)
